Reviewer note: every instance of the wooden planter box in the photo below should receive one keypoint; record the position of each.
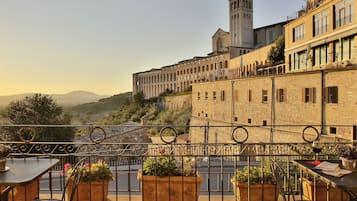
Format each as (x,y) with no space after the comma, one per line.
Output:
(89,191)
(170,188)
(270,192)
(335,194)
(30,191)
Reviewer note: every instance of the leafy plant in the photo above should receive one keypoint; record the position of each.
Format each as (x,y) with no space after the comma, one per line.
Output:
(5,150)
(166,165)
(254,174)
(276,53)
(347,151)
(90,172)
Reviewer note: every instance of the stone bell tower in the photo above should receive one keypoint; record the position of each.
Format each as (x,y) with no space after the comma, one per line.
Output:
(241,26)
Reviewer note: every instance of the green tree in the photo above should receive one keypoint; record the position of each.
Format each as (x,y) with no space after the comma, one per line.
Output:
(39,110)
(276,53)
(139,98)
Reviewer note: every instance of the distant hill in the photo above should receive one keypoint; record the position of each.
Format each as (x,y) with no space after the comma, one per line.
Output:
(68,99)
(92,112)
(104,104)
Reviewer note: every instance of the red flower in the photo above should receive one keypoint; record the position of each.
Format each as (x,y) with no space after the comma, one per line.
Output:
(66,167)
(161,151)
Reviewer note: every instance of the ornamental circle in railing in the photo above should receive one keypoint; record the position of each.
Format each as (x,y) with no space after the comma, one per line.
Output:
(240,134)
(95,136)
(168,134)
(27,134)
(311,136)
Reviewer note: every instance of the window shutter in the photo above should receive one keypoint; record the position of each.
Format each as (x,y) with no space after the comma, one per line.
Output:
(311,92)
(325,95)
(335,94)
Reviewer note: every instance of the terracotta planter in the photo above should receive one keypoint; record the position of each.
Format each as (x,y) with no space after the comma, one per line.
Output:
(30,191)
(335,194)
(89,191)
(349,164)
(270,192)
(2,165)
(175,188)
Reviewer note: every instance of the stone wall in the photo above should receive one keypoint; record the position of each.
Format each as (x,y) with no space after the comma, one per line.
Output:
(288,113)
(178,102)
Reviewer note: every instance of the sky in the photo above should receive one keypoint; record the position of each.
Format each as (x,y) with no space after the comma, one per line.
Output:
(58,46)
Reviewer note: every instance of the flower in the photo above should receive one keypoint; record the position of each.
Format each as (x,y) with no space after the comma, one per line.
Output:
(90,172)
(347,151)
(167,165)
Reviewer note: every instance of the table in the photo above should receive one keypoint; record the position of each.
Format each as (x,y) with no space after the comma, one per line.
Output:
(347,182)
(25,170)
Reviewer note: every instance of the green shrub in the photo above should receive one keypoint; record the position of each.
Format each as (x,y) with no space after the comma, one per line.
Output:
(254,174)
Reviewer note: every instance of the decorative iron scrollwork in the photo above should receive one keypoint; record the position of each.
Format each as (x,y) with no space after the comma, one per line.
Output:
(94,137)
(310,137)
(27,134)
(168,134)
(240,137)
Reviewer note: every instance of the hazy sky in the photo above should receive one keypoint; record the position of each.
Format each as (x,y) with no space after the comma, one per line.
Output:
(57,46)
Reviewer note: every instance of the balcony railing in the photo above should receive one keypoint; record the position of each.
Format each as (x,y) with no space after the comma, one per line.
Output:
(215,162)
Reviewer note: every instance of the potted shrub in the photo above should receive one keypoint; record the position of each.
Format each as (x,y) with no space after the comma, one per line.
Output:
(5,151)
(308,191)
(348,156)
(94,180)
(262,185)
(168,178)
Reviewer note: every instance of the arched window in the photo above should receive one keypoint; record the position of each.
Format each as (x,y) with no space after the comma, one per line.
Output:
(219,44)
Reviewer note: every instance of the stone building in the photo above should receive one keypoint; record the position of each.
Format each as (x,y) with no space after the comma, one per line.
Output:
(155,81)
(241,27)
(216,65)
(323,38)
(179,77)
(319,87)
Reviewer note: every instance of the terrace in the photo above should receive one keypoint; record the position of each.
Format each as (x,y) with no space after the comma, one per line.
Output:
(216,163)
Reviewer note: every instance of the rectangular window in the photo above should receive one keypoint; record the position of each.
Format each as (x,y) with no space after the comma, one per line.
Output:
(321,22)
(299,32)
(206,95)
(264,122)
(320,55)
(301,60)
(198,96)
(336,51)
(249,121)
(347,48)
(250,96)
(331,94)
(343,13)
(333,130)
(223,95)
(264,96)
(214,96)
(281,95)
(309,95)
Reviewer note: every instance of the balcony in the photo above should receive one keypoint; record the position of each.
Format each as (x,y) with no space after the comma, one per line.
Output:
(215,162)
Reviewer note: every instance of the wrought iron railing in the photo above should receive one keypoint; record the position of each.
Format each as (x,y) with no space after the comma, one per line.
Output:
(216,162)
